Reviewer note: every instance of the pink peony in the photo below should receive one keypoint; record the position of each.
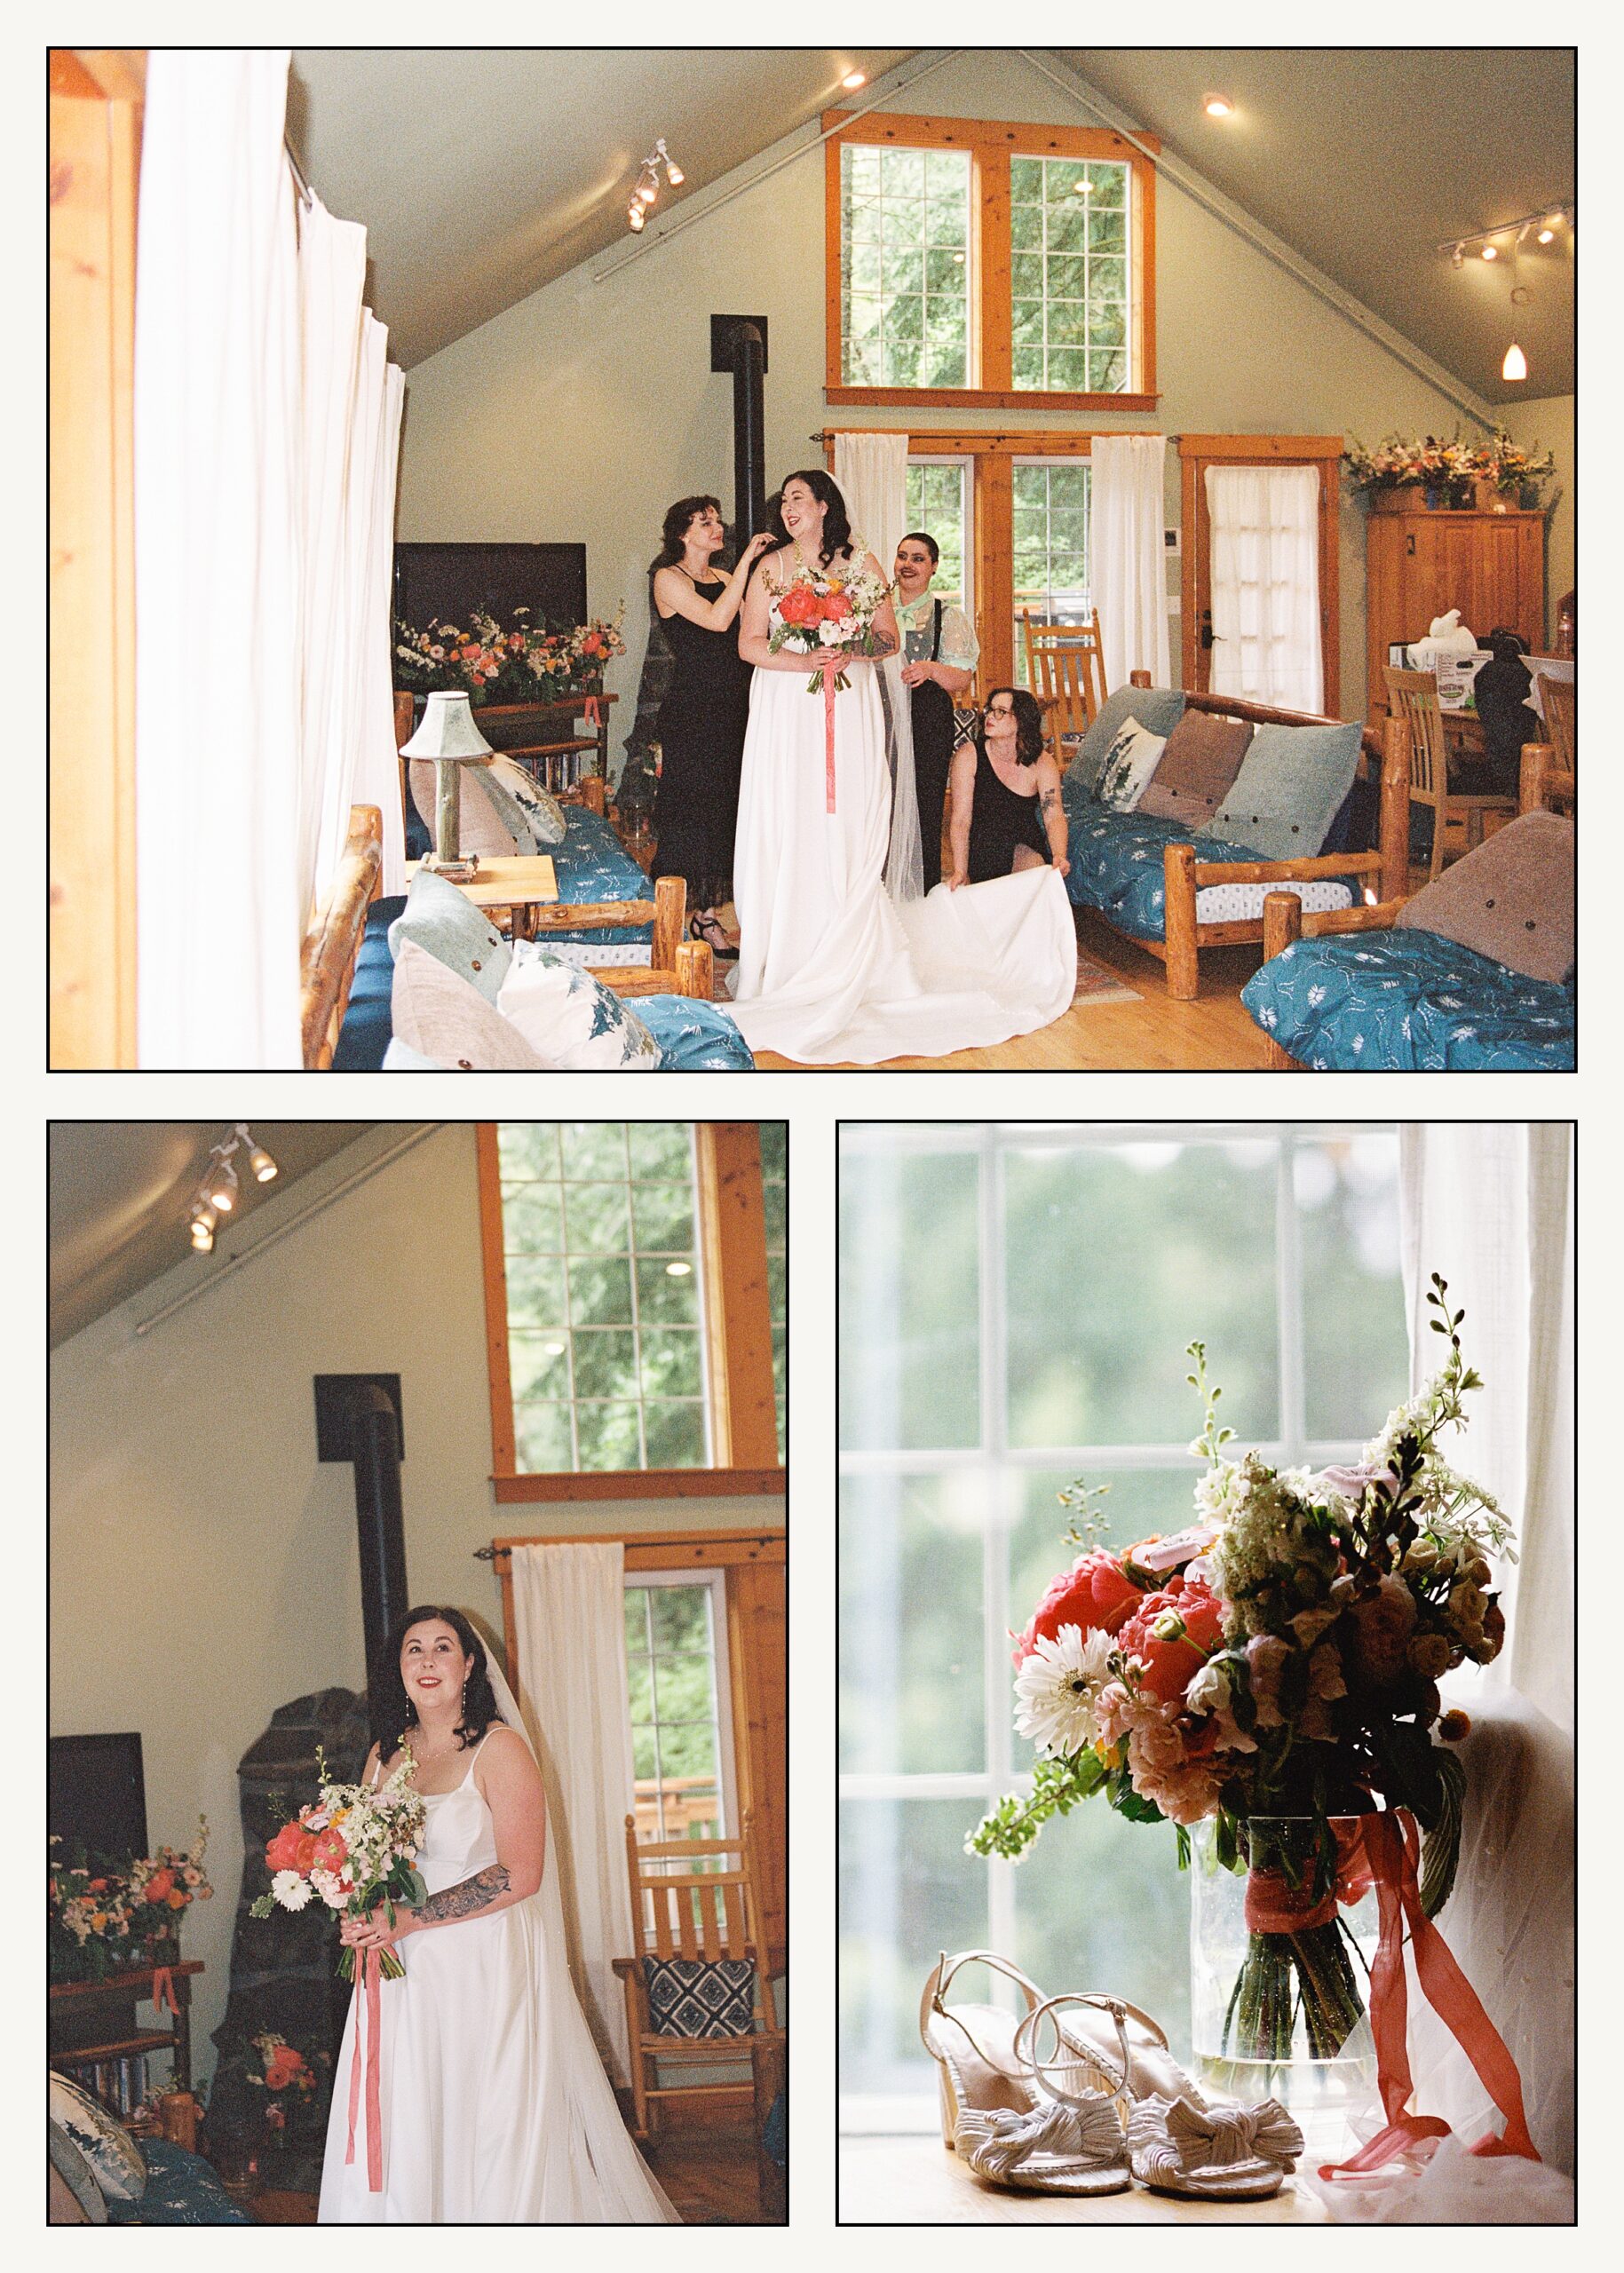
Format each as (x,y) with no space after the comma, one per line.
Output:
(1095,1592)
(1383,1624)
(1171,1661)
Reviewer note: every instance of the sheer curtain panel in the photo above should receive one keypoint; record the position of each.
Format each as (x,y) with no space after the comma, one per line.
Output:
(1266,583)
(871,470)
(569,1609)
(1127,555)
(220,559)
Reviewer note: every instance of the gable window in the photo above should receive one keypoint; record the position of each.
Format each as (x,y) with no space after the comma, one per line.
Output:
(989,264)
(635,1311)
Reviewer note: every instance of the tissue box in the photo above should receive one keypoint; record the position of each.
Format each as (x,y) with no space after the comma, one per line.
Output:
(1455,676)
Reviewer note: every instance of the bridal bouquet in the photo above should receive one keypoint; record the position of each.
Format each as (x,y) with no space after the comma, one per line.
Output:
(1274,1668)
(355,1847)
(824,609)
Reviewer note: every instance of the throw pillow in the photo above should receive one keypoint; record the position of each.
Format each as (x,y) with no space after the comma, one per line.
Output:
(1511,900)
(700,1997)
(1289,791)
(1129,763)
(65,2162)
(445,921)
(1198,768)
(571,1020)
(503,812)
(398,1059)
(444,1018)
(101,2138)
(1159,708)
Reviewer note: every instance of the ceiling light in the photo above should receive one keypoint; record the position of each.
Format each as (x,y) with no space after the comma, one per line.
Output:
(1516,365)
(220,1188)
(203,1221)
(1457,258)
(855,79)
(260,1163)
(1545,236)
(1217,105)
(1491,252)
(677,1269)
(635,215)
(648,187)
(673,171)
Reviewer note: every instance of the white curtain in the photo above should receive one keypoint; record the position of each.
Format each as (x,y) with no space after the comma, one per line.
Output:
(218,564)
(1266,583)
(569,1610)
(1127,555)
(871,471)
(266,430)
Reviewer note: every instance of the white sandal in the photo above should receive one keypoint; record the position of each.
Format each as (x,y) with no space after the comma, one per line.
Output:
(1178,2141)
(1000,2115)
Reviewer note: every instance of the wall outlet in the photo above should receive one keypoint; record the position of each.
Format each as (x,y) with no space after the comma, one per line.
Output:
(1170,539)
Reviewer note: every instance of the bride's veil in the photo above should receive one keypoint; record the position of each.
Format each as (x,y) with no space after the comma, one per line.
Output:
(904,874)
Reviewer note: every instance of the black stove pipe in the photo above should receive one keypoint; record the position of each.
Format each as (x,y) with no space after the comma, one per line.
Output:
(358,1420)
(738,344)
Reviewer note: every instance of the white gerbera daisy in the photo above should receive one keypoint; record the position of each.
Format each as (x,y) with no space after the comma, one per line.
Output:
(1055,1688)
(291,1891)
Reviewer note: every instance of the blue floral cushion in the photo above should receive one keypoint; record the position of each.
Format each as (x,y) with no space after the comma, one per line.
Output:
(591,864)
(1382,1001)
(1117,861)
(694,1037)
(181,2191)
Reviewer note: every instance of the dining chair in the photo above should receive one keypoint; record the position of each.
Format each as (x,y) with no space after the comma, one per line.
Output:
(1411,696)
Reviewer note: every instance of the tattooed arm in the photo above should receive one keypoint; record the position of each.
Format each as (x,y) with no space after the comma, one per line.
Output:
(511,1782)
(1053,812)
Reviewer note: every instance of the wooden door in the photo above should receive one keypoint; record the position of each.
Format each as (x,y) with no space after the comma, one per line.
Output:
(1197,452)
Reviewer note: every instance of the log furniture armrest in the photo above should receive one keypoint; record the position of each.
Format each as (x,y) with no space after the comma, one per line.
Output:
(326,962)
(1284,923)
(1543,783)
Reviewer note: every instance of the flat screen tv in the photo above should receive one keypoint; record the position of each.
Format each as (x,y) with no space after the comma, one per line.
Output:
(96,1795)
(450,581)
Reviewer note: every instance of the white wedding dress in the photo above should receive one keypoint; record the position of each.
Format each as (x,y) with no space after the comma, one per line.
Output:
(496,2107)
(831,969)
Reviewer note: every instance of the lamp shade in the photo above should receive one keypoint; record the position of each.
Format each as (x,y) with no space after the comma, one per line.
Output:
(447,730)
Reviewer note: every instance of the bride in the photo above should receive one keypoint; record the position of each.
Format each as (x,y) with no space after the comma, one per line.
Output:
(841,959)
(493,2106)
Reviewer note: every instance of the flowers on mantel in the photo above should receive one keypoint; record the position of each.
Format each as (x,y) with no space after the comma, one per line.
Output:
(1454,467)
(520,662)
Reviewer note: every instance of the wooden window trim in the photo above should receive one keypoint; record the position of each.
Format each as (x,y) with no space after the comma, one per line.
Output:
(1197,452)
(991,143)
(737,1333)
(992,474)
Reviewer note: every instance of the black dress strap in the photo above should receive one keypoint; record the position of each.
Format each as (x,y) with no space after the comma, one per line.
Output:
(936,635)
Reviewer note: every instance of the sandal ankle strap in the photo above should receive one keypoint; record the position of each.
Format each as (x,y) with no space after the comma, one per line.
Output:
(1083,2055)
(932,2004)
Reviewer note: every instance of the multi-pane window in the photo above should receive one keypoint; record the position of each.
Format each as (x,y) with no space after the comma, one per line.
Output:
(1051,507)
(775,1222)
(605,1305)
(938,502)
(1070,274)
(677,1692)
(905,267)
(1015,1303)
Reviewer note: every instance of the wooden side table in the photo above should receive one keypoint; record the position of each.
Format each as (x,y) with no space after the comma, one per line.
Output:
(76,2008)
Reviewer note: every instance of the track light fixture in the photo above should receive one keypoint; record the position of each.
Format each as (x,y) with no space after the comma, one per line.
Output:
(218,1189)
(1487,242)
(640,203)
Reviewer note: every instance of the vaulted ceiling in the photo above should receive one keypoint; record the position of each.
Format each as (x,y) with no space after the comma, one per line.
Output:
(483,174)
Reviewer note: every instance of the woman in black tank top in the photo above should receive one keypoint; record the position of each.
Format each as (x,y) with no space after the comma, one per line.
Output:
(1006,813)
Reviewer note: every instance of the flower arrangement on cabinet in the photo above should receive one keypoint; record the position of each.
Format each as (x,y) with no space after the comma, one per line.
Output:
(520,662)
(1278,1660)
(103,1919)
(1450,470)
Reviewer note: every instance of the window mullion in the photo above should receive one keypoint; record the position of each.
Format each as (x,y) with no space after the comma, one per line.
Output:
(1289,1304)
(991,186)
(995,1535)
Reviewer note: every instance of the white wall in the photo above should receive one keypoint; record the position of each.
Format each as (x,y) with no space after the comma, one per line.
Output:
(203,1563)
(582,413)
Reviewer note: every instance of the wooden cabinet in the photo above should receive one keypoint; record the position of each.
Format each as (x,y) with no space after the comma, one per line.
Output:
(1420,564)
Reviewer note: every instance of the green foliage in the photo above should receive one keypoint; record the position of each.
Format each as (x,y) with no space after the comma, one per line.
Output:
(1440,1851)
(1057,1786)
(1213,1438)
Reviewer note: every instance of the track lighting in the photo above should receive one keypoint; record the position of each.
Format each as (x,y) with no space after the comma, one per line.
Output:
(640,203)
(673,171)
(1489,243)
(635,215)
(203,1221)
(218,1191)
(220,1185)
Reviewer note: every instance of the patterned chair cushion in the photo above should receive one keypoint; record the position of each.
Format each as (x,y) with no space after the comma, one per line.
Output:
(1117,867)
(101,2138)
(72,2169)
(181,2191)
(572,1020)
(694,1037)
(592,864)
(1158,707)
(445,922)
(1380,1002)
(699,1997)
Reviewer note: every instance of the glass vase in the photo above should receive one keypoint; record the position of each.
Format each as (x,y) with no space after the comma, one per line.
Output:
(1280,1971)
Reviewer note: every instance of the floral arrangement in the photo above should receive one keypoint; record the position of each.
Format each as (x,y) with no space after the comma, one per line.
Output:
(100,1921)
(827,612)
(523,662)
(1274,1669)
(287,2077)
(353,1847)
(1454,465)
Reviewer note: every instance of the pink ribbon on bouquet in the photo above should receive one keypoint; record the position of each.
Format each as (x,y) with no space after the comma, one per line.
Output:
(164,1990)
(1392,1847)
(831,670)
(369,1977)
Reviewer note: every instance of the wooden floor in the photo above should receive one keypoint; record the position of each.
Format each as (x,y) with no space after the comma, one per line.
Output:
(1150,1034)
(914,2180)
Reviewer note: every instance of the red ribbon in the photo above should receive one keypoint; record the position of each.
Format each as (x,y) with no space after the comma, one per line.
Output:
(164,1990)
(1391,1850)
(375,2119)
(831,671)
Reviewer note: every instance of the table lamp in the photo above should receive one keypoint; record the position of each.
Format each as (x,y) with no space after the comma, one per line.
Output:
(449,736)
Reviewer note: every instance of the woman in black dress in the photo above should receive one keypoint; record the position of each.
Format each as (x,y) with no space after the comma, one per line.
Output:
(703,717)
(1006,813)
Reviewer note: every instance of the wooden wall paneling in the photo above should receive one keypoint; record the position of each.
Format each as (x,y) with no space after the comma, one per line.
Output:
(757,1633)
(739,1330)
(990,196)
(94,160)
(995,571)
(504,1452)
